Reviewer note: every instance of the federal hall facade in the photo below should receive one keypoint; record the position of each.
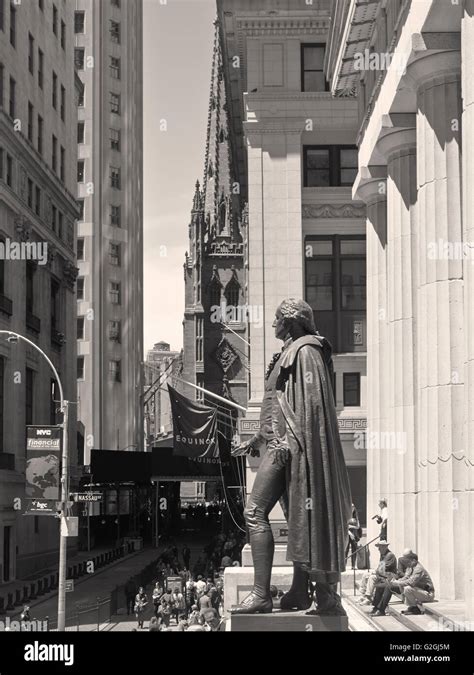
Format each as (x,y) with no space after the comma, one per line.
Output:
(392,79)
(415,176)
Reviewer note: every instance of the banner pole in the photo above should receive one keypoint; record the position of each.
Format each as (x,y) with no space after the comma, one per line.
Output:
(216,396)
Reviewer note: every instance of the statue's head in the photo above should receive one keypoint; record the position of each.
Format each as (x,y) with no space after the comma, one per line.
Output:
(293,313)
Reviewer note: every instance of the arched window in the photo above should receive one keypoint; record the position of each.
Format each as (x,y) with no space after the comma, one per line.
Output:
(215,293)
(231,292)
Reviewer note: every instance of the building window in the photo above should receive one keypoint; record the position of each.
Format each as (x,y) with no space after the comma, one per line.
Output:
(80,249)
(41,5)
(60,224)
(115,373)
(29,395)
(115,103)
(40,68)
(115,177)
(80,327)
(55,306)
(30,276)
(232,293)
(2,15)
(115,3)
(54,97)
(12,25)
(31,53)
(329,165)
(63,35)
(114,254)
(79,57)
(199,338)
(30,193)
(114,331)
(54,217)
(81,203)
(80,367)
(9,176)
(80,288)
(54,154)
(312,70)
(81,132)
(81,97)
(2,164)
(12,105)
(38,201)
(79,22)
(40,135)
(80,171)
(30,122)
(115,139)
(115,216)
(114,293)
(351,389)
(55,20)
(115,32)
(63,103)
(114,68)
(2,84)
(335,288)
(62,168)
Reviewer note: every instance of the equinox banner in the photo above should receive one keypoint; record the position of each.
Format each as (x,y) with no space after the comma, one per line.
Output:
(194,427)
(43,463)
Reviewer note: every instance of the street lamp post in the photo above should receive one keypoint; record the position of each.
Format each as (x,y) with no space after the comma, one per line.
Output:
(13,338)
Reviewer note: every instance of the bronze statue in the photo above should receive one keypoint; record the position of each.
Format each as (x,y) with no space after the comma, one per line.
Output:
(303,467)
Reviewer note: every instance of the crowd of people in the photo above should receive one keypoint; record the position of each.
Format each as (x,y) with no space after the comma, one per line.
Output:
(187,594)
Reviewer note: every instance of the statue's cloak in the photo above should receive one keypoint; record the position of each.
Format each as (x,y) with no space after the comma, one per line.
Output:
(305,420)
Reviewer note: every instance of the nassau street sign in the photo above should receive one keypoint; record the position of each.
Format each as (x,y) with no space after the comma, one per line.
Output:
(86,496)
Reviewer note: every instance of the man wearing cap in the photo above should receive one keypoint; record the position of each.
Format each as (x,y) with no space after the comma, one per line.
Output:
(387,566)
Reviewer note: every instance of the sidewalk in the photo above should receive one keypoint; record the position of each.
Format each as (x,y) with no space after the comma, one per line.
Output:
(88,588)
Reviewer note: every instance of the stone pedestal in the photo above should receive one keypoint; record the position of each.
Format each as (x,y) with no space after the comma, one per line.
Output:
(279,559)
(238,582)
(289,622)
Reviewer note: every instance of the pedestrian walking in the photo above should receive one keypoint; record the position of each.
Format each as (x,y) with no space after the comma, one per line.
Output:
(141,601)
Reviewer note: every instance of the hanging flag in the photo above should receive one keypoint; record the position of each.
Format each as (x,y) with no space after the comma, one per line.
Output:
(194,427)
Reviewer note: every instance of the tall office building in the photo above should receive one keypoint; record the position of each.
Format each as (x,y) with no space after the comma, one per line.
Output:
(37,209)
(108,57)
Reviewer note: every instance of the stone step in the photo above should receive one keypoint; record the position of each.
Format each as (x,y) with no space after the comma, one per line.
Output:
(294,622)
(387,623)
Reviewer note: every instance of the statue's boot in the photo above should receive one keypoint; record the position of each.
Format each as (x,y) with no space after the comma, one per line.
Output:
(298,597)
(260,599)
(328,601)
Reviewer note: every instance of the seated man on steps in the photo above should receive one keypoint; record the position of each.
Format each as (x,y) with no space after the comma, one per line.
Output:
(387,565)
(416,586)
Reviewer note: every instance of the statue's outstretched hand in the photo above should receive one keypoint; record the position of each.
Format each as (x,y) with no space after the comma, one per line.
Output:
(245,448)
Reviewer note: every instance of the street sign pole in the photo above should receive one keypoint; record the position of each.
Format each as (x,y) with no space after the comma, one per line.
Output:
(13,338)
(63,538)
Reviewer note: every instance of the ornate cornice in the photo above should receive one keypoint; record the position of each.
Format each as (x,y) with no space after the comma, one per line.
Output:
(352,423)
(333,211)
(259,26)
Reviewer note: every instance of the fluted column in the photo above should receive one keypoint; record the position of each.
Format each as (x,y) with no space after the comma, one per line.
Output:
(440,348)
(467,83)
(398,146)
(372,189)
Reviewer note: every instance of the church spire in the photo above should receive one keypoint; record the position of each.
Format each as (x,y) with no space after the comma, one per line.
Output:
(219,201)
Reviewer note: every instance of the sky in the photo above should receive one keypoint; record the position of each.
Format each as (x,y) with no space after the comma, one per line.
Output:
(178,40)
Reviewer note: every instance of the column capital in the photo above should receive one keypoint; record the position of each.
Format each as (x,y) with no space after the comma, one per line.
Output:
(435,57)
(396,140)
(370,185)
